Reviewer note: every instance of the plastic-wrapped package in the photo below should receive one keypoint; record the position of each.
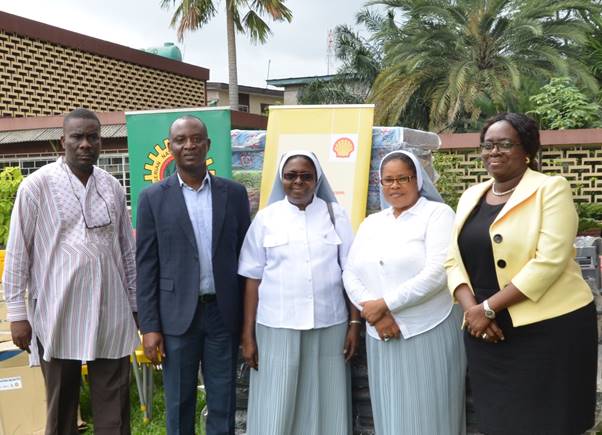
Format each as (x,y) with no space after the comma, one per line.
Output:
(248,147)
(387,139)
(247,139)
(247,162)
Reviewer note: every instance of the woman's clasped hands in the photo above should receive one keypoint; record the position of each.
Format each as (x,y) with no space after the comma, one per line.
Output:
(480,326)
(378,315)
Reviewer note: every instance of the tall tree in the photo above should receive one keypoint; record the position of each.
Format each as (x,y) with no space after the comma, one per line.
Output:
(449,56)
(336,91)
(593,47)
(360,59)
(244,16)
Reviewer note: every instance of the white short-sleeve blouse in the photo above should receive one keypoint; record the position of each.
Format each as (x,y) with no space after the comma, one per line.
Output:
(294,254)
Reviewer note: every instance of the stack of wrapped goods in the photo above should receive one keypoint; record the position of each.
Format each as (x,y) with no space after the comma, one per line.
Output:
(387,139)
(248,147)
(247,161)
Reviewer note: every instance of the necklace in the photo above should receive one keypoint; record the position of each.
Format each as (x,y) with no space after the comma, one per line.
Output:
(501,193)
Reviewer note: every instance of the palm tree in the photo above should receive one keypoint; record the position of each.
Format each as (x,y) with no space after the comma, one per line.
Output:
(193,14)
(361,57)
(450,56)
(361,60)
(593,47)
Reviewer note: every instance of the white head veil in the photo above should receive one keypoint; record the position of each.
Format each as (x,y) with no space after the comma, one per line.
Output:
(323,189)
(426,188)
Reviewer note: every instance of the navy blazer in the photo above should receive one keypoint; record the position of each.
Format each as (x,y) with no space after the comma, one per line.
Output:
(167,261)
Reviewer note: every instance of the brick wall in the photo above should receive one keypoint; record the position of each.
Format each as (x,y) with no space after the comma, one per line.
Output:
(40,78)
(581,165)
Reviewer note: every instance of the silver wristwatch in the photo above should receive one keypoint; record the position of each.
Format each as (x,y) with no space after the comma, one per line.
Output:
(489,313)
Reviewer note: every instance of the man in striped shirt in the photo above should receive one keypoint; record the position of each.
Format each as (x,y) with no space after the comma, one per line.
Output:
(71,252)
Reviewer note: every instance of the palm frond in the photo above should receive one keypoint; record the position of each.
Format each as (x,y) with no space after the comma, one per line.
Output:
(275,9)
(257,29)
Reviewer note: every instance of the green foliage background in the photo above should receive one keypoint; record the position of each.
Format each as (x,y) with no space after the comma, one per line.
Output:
(10,179)
(561,105)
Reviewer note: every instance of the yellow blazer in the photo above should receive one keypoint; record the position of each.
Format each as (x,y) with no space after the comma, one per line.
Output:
(532,239)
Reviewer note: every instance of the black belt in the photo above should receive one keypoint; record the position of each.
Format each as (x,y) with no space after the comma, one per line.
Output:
(207,298)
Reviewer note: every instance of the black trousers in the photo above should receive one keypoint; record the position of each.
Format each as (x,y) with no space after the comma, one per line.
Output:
(109,390)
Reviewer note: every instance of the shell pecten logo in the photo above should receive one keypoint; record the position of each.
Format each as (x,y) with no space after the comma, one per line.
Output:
(163,165)
(343,147)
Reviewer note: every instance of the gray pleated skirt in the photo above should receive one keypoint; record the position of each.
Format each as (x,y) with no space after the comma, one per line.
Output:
(302,386)
(417,385)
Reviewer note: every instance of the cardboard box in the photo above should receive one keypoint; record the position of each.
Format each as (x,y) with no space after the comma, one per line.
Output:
(22,401)
(12,356)
(22,394)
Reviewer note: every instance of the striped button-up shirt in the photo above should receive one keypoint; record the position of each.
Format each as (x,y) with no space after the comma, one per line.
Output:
(71,249)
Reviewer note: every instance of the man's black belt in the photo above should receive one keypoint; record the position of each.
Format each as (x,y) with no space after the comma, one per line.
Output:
(207,298)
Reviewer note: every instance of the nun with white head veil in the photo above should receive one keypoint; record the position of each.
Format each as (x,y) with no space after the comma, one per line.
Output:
(298,332)
(395,275)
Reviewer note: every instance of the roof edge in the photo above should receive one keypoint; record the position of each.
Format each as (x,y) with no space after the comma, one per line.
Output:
(240,120)
(34,122)
(300,80)
(211,86)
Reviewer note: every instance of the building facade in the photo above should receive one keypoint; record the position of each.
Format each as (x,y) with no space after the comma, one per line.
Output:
(45,72)
(250,99)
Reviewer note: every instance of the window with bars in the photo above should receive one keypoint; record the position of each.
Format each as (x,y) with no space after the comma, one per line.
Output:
(116,164)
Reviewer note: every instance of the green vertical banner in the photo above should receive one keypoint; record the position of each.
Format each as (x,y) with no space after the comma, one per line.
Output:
(148,139)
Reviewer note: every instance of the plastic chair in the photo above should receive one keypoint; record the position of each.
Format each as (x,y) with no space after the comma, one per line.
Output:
(143,374)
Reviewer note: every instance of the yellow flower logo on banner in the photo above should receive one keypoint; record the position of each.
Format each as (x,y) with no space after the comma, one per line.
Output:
(163,164)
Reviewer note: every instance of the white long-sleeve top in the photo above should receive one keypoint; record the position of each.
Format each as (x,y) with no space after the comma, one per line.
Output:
(401,260)
(80,282)
(294,254)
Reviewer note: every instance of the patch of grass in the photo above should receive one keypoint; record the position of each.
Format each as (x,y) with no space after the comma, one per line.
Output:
(157,424)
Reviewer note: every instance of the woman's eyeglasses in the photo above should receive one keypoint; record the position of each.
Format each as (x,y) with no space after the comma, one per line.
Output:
(304,176)
(389,181)
(502,146)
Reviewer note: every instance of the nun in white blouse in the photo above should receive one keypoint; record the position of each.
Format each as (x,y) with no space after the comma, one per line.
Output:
(395,274)
(297,330)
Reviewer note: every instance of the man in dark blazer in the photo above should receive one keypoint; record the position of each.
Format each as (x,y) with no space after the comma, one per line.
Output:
(190,228)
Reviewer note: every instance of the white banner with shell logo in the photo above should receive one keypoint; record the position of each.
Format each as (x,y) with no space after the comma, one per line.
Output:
(341,137)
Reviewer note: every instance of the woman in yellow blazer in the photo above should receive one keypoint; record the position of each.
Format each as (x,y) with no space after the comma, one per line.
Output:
(531,336)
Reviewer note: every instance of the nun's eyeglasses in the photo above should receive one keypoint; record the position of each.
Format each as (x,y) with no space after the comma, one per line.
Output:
(389,181)
(304,176)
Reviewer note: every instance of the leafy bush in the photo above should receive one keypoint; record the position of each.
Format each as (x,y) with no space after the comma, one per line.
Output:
(560,105)
(590,217)
(448,184)
(593,211)
(10,179)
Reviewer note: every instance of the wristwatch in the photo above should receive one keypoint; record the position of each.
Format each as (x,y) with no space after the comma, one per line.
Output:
(489,313)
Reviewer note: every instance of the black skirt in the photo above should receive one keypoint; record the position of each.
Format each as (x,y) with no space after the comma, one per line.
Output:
(541,380)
